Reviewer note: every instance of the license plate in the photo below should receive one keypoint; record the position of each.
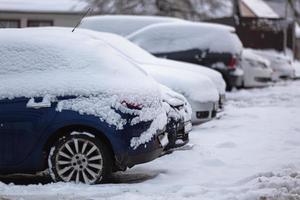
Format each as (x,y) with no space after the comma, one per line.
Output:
(163,139)
(188,127)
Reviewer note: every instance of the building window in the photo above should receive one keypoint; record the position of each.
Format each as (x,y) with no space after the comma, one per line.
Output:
(10,23)
(38,23)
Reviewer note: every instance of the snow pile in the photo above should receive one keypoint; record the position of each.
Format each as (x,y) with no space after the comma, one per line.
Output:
(43,5)
(54,62)
(122,24)
(170,37)
(261,9)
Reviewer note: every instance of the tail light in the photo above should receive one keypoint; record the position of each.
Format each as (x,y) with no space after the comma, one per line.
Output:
(132,106)
(232,63)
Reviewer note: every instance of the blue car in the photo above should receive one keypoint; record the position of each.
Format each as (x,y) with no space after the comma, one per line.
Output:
(67,107)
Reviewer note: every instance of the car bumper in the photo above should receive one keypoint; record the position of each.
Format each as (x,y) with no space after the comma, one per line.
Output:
(178,133)
(204,112)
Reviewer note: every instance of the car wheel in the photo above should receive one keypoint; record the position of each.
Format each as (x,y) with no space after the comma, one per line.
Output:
(79,158)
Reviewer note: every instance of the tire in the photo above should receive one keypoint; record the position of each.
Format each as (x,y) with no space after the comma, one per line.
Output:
(79,158)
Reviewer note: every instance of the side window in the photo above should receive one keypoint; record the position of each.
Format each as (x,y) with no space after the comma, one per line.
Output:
(10,23)
(39,23)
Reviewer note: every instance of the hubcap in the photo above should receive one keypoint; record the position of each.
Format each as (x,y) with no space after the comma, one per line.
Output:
(79,160)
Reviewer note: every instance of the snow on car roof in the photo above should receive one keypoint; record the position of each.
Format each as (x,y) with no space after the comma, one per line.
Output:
(122,24)
(73,58)
(260,8)
(179,36)
(43,5)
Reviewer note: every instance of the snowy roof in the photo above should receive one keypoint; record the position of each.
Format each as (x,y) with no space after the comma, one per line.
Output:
(43,5)
(260,8)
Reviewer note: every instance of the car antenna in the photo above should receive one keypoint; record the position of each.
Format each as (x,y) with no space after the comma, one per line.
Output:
(86,14)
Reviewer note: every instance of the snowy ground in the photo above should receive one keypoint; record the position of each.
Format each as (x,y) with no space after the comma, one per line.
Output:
(251,152)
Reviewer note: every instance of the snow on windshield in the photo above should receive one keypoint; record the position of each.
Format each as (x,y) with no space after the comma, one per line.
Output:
(121,24)
(49,62)
(170,37)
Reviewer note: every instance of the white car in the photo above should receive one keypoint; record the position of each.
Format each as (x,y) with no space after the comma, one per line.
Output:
(281,64)
(122,24)
(199,90)
(257,70)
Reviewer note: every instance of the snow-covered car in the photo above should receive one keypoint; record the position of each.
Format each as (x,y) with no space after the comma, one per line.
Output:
(199,90)
(210,45)
(76,106)
(257,70)
(281,64)
(122,24)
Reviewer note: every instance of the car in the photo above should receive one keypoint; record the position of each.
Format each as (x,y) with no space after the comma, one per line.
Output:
(281,64)
(199,90)
(214,46)
(122,24)
(257,70)
(67,106)
(125,25)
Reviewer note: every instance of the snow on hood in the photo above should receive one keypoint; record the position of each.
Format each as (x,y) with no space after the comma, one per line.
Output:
(180,36)
(145,60)
(193,86)
(216,77)
(55,62)
(251,55)
(122,24)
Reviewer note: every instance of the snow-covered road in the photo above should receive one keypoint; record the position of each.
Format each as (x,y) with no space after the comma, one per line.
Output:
(251,152)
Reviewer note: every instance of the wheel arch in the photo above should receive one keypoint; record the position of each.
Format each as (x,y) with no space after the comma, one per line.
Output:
(64,131)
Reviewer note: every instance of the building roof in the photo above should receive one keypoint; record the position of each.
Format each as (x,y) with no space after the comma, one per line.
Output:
(260,9)
(55,6)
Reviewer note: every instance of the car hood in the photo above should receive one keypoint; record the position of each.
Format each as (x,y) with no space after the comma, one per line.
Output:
(193,86)
(215,76)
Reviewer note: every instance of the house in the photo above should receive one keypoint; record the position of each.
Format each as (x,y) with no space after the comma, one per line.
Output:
(259,26)
(35,13)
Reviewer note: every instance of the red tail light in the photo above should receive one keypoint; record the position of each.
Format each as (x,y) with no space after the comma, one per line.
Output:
(232,63)
(133,106)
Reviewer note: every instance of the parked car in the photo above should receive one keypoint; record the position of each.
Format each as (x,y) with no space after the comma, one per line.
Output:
(68,106)
(281,64)
(257,70)
(199,90)
(211,45)
(122,24)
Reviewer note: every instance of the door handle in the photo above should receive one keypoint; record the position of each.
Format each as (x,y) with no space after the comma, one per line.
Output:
(46,103)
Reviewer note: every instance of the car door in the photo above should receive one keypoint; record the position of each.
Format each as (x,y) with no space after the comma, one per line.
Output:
(20,128)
